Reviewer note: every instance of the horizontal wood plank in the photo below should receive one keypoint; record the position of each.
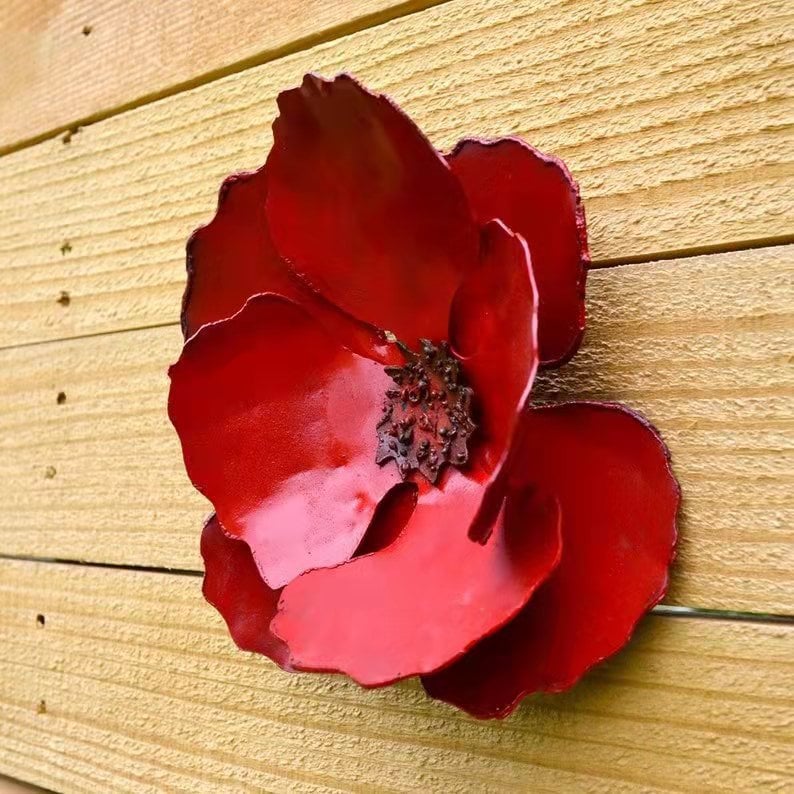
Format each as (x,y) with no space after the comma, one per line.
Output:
(701,346)
(10,785)
(675,117)
(64,62)
(133,684)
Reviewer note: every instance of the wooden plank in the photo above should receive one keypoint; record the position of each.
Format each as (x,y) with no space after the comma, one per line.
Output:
(702,346)
(10,786)
(65,62)
(675,117)
(132,683)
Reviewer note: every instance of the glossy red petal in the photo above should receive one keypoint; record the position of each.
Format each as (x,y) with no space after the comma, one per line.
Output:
(422,601)
(493,329)
(365,209)
(390,519)
(536,196)
(619,499)
(233,257)
(232,585)
(277,423)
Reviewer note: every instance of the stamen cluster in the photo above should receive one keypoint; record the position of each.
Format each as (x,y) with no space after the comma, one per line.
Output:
(427,414)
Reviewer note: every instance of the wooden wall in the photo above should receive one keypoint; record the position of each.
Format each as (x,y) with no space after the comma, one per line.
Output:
(118,121)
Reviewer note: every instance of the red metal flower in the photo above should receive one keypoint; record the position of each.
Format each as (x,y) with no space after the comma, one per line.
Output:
(363,326)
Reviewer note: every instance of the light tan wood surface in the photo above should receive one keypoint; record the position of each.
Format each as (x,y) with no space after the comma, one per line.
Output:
(11,786)
(676,118)
(168,704)
(100,476)
(68,61)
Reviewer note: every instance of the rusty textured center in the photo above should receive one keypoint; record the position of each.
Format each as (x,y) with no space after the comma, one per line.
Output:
(427,414)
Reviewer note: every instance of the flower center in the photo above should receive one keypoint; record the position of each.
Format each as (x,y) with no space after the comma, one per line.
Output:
(427,414)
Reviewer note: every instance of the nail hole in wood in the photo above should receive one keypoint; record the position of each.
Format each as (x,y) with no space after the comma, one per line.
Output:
(42,707)
(87,30)
(61,398)
(40,619)
(64,299)
(49,472)
(66,247)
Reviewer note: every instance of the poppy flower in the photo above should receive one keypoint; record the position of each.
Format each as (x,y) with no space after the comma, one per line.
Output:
(364,318)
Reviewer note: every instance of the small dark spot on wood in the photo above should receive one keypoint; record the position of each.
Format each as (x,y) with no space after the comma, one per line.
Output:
(66,247)
(49,472)
(64,299)
(87,30)
(69,134)
(40,619)
(61,398)
(42,707)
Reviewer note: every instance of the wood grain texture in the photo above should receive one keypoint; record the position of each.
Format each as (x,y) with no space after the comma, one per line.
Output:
(11,786)
(132,684)
(701,346)
(65,61)
(674,116)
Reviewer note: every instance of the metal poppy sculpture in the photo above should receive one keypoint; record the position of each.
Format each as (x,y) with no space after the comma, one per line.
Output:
(364,318)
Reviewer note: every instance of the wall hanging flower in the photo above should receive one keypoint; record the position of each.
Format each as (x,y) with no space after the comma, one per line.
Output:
(364,318)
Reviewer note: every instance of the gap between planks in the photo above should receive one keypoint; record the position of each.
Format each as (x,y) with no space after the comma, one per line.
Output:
(26,50)
(122,688)
(674,118)
(662,610)
(11,785)
(708,365)
(601,264)
(693,251)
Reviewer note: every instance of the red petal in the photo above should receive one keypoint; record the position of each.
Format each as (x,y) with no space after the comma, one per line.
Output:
(422,601)
(493,329)
(390,518)
(610,472)
(277,422)
(232,258)
(232,585)
(365,209)
(536,196)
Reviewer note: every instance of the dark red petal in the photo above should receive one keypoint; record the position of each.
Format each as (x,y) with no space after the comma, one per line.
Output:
(232,258)
(536,196)
(232,585)
(390,518)
(610,472)
(277,423)
(493,329)
(425,599)
(365,209)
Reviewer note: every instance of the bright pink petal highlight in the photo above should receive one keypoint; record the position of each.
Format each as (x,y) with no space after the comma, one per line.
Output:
(277,424)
